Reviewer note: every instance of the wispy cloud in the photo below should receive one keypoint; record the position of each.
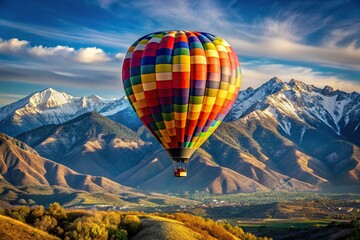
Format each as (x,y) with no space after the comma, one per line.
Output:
(284,49)
(346,34)
(6,98)
(106,3)
(79,34)
(281,36)
(277,37)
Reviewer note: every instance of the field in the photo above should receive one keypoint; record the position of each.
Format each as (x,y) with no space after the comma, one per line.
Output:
(285,223)
(284,228)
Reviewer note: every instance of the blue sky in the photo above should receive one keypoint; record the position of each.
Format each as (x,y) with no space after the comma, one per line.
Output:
(78,46)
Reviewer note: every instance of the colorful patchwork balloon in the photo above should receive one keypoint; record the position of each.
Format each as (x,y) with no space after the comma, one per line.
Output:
(181,84)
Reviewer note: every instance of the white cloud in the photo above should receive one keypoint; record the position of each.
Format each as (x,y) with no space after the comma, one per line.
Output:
(91,55)
(60,66)
(41,51)
(12,45)
(120,56)
(22,48)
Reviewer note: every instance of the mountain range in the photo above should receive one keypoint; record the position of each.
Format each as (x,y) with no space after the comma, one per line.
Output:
(280,136)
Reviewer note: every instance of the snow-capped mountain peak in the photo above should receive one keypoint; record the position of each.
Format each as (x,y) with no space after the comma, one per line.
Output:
(249,99)
(48,98)
(326,108)
(299,86)
(52,107)
(115,106)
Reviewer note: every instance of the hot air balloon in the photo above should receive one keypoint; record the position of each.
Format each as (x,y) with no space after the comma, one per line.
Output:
(181,84)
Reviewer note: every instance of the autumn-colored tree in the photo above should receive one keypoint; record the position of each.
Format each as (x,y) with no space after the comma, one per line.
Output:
(46,223)
(56,211)
(110,219)
(117,234)
(87,230)
(35,213)
(131,224)
(19,213)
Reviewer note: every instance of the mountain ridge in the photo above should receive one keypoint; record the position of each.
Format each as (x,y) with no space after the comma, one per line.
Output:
(280,136)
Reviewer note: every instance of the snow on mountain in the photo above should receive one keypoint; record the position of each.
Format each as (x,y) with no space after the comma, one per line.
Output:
(52,107)
(326,108)
(250,98)
(115,106)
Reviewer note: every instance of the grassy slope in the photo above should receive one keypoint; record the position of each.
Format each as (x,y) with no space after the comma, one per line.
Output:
(165,229)
(13,229)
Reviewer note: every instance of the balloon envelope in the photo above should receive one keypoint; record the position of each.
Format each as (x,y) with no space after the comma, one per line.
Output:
(181,84)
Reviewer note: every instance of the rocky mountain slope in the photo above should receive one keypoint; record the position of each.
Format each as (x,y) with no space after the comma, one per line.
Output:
(233,160)
(93,144)
(26,177)
(90,144)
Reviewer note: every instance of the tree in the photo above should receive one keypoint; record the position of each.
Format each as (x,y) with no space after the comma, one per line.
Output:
(46,223)
(19,213)
(84,229)
(56,211)
(117,234)
(131,224)
(35,212)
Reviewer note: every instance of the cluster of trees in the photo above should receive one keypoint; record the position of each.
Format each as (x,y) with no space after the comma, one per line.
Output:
(101,225)
(77,224)
(209,228)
